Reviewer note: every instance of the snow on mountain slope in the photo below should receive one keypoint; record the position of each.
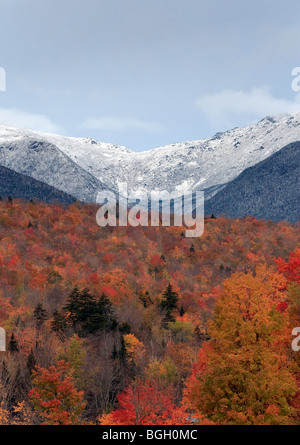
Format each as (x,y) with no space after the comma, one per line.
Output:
(34,156)
(94,157)
(217,160)
(194,165)
(183,166)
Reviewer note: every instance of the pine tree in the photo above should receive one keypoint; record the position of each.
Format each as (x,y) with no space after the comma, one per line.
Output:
(74,305)
(122,351)
(182,311)
(106,316)
(125,328)
(31,361)
(169,304)
(13,344)
(40,315)
(114,354)
(58,324)
(90,315)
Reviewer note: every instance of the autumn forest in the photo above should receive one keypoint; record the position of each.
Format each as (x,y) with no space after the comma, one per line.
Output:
(143,326)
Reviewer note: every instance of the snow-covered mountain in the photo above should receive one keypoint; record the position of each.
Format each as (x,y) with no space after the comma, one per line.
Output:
(31,154)
(79,166)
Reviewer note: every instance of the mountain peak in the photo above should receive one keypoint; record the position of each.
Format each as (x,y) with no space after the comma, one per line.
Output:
(208,163)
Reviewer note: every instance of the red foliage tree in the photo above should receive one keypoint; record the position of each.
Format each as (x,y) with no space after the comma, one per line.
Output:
(141,403)
(55,397)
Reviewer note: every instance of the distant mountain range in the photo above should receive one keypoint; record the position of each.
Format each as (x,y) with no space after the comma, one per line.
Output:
(241,170)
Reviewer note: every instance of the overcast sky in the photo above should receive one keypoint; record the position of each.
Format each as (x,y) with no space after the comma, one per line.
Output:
(144,73)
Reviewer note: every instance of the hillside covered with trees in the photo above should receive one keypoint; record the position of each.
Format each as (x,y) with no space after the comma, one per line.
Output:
(120,326)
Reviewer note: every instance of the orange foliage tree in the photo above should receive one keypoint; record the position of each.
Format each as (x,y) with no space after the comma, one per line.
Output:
(55,397)
(243,375)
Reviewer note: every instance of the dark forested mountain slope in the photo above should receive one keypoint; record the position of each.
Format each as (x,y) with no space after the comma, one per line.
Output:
(17,185)
(268,190)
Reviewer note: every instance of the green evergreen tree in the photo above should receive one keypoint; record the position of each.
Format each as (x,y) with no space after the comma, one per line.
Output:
(58,324)
(122,351)
(182,311)
(90,315)
(125,328)
(40,315)
(13,344)
(168,304)
(114,354)
(31,361)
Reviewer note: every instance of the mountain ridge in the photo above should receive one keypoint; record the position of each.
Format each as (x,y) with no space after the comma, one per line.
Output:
(81,167)
(45,162)
(189,165)
(267,190)
(19,186)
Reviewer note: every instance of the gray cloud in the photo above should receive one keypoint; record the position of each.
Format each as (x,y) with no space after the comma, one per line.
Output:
(24,119)
(130,67)
(224,107)
(119,124)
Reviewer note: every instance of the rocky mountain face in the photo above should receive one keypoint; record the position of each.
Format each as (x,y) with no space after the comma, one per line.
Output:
(81,167)
(34,156)
(196,165)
